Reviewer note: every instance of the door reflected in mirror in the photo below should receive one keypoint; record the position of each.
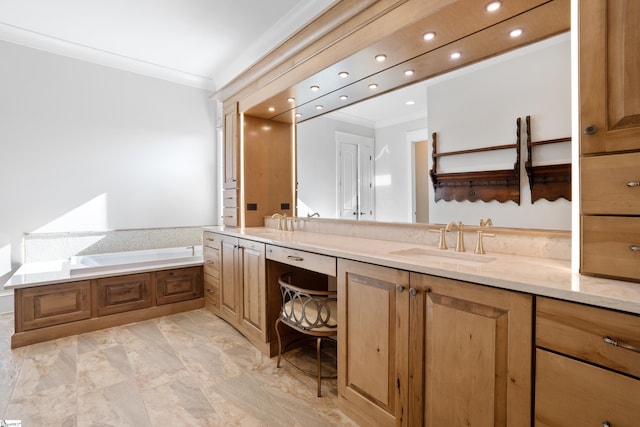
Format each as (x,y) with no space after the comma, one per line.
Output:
(472,107)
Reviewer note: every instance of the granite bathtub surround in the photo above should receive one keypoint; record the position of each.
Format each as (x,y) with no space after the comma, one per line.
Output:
(53,246)
(186,369)
(533,243)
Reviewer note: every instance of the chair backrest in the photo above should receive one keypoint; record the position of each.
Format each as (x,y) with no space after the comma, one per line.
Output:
(305,308)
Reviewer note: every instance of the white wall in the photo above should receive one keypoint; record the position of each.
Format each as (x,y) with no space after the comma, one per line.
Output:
(86,147)
(480,109)
(317,164)
(393,171)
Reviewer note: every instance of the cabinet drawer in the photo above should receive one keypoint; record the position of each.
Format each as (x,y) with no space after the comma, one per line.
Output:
(123,293)
(230,217)
(611,184)
(611,246)
(306,260)
(180,284)
(579,330)
(230,198)
(211,252)
(571,393)
(49,305)
(211,292)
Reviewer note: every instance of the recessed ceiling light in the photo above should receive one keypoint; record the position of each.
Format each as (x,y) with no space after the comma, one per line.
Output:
(272,109)
(298,114)
(344,97)
(319,107)
(409,72)
(291,99)
(381,57)
(455,55)
(373,86)
(343,74)
(516,33)
(411,102)
(493,6)
(429,36)
(315,88)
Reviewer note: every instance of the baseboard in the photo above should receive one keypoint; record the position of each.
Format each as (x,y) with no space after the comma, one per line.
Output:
(6,302)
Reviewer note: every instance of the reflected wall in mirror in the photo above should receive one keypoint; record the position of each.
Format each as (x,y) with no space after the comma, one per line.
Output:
(472,107)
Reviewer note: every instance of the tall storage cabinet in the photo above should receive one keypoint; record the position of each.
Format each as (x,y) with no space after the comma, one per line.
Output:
(610,137)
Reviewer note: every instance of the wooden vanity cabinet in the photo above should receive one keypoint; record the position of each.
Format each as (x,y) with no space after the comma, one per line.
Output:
(582,377)
(422,350)
(211,269)
(610,137)
(243,301)
(373,329)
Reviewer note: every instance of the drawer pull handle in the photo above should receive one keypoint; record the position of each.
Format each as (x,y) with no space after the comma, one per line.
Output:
(615,343)
(633,184)
(634,248)
(295,258)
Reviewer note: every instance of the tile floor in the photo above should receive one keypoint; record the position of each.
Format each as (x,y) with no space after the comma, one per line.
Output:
(188,369)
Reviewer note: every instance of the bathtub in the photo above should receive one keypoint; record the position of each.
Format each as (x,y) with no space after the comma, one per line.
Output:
(87,264)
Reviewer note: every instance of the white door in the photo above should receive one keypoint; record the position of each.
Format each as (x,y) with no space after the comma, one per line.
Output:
(355,177)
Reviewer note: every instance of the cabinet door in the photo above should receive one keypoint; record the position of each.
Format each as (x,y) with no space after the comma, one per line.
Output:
(372,333)
(231,146)
(229,286)
(571,393)
(254,302)
(180,284)
(123,293)
(609,64)
(470,354)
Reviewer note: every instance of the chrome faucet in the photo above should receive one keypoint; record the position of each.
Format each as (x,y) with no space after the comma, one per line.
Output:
(460,238)
(315,214)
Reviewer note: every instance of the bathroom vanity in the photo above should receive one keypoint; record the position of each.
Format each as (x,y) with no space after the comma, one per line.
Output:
(413,319)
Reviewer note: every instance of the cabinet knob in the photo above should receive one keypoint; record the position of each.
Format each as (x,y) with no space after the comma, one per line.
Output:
(413,292)
(591,129)
(633,184)
(400,288)
(634,248)
(606,423)
(210,290)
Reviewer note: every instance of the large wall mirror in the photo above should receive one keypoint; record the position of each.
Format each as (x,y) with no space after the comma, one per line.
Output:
(370,161)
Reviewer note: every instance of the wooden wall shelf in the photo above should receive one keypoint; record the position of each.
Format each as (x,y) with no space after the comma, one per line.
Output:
(501,185)
(549,181)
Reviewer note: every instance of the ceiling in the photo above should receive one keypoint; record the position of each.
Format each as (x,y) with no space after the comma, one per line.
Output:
(199,43)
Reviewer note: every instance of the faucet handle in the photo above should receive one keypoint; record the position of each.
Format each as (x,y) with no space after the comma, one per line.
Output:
(442,243)
(479,246)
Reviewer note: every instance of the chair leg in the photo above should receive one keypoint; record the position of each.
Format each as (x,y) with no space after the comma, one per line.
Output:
(279,342)
(318,345)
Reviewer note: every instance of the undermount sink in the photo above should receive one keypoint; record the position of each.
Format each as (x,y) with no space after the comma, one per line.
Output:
(466,258)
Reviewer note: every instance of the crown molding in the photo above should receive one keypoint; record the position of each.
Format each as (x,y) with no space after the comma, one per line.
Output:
(35,40)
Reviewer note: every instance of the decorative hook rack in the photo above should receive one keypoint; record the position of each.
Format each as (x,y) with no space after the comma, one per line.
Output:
(500,185)
(549,181)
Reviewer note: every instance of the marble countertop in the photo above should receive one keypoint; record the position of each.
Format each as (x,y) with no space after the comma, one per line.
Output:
(59,271)
(538,276)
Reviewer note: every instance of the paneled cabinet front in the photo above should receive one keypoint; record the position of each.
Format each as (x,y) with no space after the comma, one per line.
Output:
(123,293)
(180,284)
(421,350)
(610,139)
(243,300)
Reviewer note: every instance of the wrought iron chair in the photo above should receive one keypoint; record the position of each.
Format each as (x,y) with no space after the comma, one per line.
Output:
(313,313)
